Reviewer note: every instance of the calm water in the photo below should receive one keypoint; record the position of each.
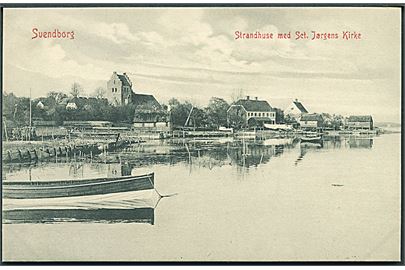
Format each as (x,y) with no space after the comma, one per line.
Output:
(276,199)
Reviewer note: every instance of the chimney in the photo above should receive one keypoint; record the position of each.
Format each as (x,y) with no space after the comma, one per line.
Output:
(256,98)
(247,97)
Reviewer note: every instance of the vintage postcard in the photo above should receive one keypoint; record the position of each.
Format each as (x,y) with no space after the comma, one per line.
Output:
(201,134)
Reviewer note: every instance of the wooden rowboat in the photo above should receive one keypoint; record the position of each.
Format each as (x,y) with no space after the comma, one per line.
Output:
(73,188)
(131,206)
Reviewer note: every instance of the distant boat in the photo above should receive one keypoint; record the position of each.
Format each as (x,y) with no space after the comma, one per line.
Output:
(75,188)
(225,129)
(278,127)
(311,139)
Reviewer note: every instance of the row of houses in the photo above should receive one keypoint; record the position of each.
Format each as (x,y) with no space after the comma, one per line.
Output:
(253,111)
(256,112)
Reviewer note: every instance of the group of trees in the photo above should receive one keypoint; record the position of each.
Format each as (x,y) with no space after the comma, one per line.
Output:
(53,108)
(187,114)
(16,109)
(333,121)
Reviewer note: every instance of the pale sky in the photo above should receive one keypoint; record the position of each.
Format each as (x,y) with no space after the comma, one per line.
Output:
(192,54)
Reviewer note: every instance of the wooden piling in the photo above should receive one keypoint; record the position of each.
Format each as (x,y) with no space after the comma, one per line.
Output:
(19,155)
(35,155)
(28,155)
(9,156)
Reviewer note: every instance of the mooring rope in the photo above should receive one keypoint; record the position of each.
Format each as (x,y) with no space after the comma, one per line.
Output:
(160,195)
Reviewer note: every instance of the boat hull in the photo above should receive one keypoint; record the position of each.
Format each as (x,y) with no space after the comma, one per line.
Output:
(56,189)
(123,200)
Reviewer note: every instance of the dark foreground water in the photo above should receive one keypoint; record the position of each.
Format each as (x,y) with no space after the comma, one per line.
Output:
(277,199)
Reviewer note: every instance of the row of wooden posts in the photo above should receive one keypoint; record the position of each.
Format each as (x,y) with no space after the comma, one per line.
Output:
(45,154)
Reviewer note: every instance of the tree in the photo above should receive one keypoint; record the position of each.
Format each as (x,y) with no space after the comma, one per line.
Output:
(216,112)
(56,96)
(179,112)
(100,92)
(198,118)
(76,89)
(236,117)
(337,121)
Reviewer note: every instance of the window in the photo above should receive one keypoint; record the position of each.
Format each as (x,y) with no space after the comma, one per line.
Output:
(255,114)
(260,114)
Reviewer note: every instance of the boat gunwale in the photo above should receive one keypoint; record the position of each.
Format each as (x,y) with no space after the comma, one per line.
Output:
(28,185)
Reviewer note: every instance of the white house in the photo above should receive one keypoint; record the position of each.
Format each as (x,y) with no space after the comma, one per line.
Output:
(255,112)
(72,104)
(40,105)
(295,109)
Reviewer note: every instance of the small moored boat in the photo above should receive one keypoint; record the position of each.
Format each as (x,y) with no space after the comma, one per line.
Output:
(131,206)
(71,188)
(311,138)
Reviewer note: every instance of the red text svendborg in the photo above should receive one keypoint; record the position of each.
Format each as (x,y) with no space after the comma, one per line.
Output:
(52,34)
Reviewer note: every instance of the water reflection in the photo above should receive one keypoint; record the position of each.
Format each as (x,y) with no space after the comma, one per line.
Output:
(206,154)
(202,153)
(136,215)
(361,143)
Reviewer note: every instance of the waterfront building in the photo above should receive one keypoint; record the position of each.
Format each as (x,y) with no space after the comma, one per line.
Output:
(360,122)
(312,121)
(253,112)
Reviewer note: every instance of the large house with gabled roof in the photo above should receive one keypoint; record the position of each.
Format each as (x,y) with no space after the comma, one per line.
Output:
(254,112)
